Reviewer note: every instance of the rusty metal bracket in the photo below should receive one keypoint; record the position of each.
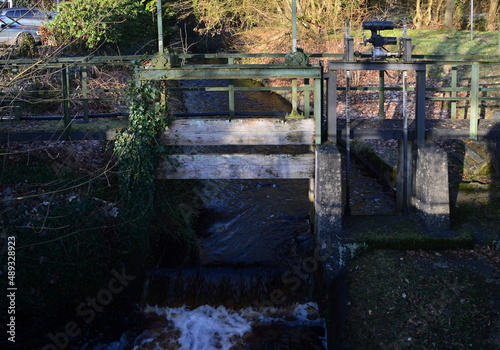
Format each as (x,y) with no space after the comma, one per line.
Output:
(165,60)
(297,58)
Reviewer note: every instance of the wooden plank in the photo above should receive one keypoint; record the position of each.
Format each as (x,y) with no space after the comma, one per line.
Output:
(237,166)
(237,71)
(260,131)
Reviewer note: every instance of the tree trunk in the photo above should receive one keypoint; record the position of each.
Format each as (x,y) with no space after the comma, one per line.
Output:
(417,19)
(493,18)
(448,14)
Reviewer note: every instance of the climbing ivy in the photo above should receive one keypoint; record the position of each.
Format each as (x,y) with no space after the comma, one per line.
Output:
(138,150)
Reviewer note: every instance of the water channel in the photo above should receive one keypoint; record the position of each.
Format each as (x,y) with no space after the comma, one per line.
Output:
(252,288)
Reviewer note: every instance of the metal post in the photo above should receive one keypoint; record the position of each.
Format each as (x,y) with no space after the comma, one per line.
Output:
(160,25)
(474,102)
(232,112)
(294,96)
(332,107)
(348,44)
(84,78)
(471,19)
(406,155)
(294,25)
(66,105)
(381,94)
(318,83)
(348,141)
(454,82)
(307,100)
(16,101)
(420,108)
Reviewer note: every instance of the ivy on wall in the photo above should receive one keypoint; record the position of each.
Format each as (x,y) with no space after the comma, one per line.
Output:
(138,150)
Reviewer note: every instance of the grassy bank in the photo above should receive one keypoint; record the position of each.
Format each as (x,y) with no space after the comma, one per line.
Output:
(425,300)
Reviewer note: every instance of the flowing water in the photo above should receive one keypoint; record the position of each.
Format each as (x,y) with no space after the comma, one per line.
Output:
(249,290)
(254,286)
(252,289)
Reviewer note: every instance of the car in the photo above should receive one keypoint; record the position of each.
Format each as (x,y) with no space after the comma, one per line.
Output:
(28,16)
(12,33)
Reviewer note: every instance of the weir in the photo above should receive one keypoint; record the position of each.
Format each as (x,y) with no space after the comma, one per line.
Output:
(298,146)
(267,148)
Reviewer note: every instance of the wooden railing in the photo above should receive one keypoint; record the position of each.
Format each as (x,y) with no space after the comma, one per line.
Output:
(68,82)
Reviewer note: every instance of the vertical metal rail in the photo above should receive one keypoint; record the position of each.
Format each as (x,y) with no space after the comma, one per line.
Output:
(454,83)
(66,102)
(406,156)
(381,94)
(159,17)
(85,94)
(307,100)
(295,95)
(230,92)
(17,107)
(294,25)
(348,141)
(332,107)
(323,93)
(420,107)
(474,102)
(318,101)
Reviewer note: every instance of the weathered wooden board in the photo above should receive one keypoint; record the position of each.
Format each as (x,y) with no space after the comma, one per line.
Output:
(237,166)
(259,131)
(236,71)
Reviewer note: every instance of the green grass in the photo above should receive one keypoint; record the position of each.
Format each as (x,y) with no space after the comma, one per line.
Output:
(443,42)
(420,300)
(457,42)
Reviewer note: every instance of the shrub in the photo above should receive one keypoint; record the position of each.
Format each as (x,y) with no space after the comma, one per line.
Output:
(91,23)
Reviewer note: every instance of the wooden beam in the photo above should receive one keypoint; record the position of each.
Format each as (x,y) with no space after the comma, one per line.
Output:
(237,166)
(261,131)
(237,71)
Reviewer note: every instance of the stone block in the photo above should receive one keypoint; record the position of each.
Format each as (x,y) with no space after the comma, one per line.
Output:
(431,192)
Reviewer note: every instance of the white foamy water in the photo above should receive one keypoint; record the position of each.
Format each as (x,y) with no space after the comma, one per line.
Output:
(207,327)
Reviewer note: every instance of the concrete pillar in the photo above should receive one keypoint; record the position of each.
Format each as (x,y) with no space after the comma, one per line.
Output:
(431,193)
(330,249)
(328,210)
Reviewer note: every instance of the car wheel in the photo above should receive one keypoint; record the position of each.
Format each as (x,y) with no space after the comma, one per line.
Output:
(25,39)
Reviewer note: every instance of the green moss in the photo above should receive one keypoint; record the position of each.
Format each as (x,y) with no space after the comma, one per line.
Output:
(294,115)
(393,232)
(486,169)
